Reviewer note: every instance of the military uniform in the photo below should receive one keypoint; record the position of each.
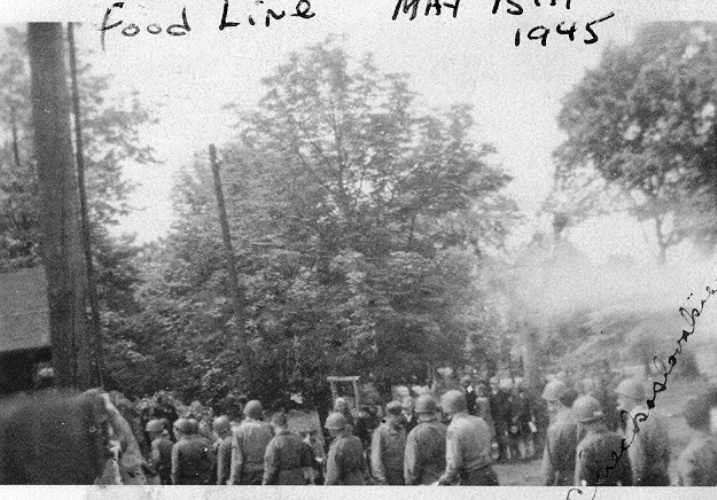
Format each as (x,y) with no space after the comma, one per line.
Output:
(388,449)
(468,447)
(249,444)
(192,461)
(559,455)
(346,464)
(161,458)
(224,460)
(595,463)
(649,450)
(425,458)
(697,465)
(285,460)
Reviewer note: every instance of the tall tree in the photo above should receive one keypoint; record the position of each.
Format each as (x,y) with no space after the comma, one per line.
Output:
(359,227)
(646,121)
(61,243)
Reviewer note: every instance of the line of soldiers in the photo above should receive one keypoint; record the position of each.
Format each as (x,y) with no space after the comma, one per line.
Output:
(430,453)
(255,452)
(580,449)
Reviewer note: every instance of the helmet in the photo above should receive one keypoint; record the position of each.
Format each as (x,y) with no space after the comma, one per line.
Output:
(155,425)
(587,409)
(221,424)
(335,421)
(454,402)
(555,390)
(426,404)
(183,425)
(631,388)
(279,419)
(193,426)
(253,409)
(394,407)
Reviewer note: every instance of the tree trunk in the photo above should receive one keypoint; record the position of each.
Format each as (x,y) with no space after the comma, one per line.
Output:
(61,243)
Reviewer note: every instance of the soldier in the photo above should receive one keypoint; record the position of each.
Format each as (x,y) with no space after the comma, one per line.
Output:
(697,465)
(346,464)
(54,437)
(160,455)
(222,429)
(468,446)
(388,448)
(600,461)
(192,457)
(561,439)
(287,459)
(409,417)
(649,444)
(425,458)
(249,444)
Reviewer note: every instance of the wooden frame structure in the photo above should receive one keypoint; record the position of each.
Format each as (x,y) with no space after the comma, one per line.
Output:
(333,381)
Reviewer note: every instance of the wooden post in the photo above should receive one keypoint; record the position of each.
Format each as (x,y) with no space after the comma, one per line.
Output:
(237,295)
(59,214)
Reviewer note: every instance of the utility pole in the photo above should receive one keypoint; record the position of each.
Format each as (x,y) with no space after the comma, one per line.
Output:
(237,294)
(59,212)
(79,153)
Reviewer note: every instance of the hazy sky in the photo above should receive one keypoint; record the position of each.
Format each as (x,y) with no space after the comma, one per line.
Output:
(515,91)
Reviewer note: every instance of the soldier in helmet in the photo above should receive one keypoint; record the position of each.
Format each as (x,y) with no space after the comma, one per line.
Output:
(600,461)
(222,429)
(561,439)
(388,447)
(649,442)
(345,464)
(697,465)
(287,459)
(192,456)
(468,446)
(249,446)
(160,458)
(425,458)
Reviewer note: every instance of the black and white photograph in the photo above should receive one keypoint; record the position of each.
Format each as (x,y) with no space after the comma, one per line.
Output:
(374,243)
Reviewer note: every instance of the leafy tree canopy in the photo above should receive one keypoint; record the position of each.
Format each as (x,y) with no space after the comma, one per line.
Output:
(359,224)
(645,121)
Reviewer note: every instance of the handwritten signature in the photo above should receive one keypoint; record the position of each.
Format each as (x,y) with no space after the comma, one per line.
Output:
(657,387)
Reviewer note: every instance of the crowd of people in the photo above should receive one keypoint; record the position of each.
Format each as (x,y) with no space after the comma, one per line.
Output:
(598,434)
(591,436)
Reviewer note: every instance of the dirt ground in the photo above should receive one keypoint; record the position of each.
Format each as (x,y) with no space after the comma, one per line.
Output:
(668,404)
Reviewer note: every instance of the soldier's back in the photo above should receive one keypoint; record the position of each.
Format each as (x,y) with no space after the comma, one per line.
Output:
(425,453)
(559,454)
(600,461)
(697,465)
(286,456)
(195,460)
(163,464)
(346,462)
(253,437)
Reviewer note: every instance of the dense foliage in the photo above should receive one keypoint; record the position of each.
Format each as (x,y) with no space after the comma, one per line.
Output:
(360,227)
